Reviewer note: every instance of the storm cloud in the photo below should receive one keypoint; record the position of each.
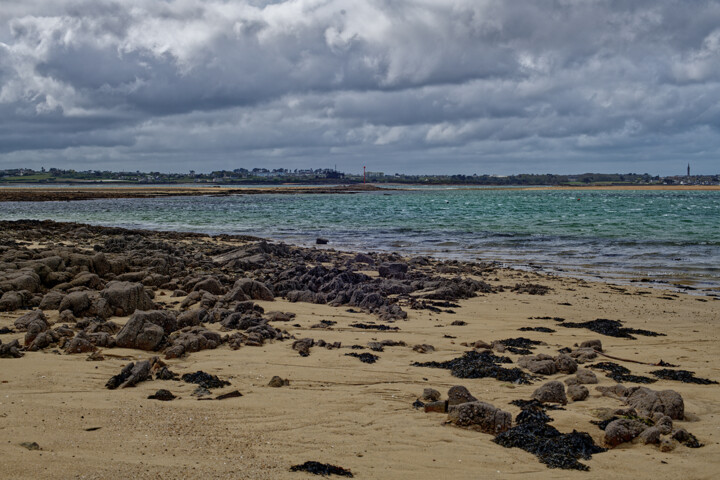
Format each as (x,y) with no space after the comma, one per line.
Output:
(423,86)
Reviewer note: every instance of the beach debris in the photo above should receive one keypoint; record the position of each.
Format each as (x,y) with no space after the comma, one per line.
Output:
(423,348)
(475,364)
(364,357)
(205,380)
(611,328)
(556,450)
(530,288)
(233,394)
(620,373)
(30,445)
(162,395)
(323,469)
(201,392)
(537,329)
(519,345)
(684,376)
(277,382)
(368,326)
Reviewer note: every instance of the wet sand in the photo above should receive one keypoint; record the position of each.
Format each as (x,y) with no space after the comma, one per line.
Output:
(344,412)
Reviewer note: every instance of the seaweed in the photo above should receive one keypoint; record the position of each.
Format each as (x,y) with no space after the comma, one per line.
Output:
(611,328)
(323,469)
(480,365)
(692,441)
(621,374)
(537,329)
(204,380)
(368,326)
(520,345)
(554,449)
(684,376)
(364,357)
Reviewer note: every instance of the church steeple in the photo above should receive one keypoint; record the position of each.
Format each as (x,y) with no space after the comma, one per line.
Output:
(688,174)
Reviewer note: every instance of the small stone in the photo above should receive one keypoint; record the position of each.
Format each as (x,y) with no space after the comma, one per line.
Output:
(667,445)
(163,395)
(459,394)
(430,395)
(30,445)
(585,376)
(277,382)
(650,436)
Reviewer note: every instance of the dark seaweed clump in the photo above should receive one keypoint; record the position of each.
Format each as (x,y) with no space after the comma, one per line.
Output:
(684,376)
(204,380)
(692,441)
(611,328)
(364,357)
(323,469)
(368,326)
(536,329)
(621,374)
(554,449)
(480,365)
(520,345)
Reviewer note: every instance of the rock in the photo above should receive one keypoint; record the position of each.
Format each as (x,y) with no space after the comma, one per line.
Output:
(393,270)
(551,392)
(77,302)
(363,258)
(667,445)
(438,406)
(192,339)
(537,365)
(459,394)
(254,289)
(201,392)
(191,318)
(30,445)
(51,300)
(11,301)
(647,402)
(79,344)
(146,330)
(277,382)
(616,391)
(430,395)
(424,348)
(89,280)
(36,316)
(211,285)
(650,436)
(124,298)
(622,430)
(480,416)
(594,344)
(303,346)
(131,374)
(163,395)
(664,423)
(566,364)
(321,241)
(10,350)
(586,377)
(577,393)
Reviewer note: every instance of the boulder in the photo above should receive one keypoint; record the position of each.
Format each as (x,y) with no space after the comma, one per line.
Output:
(10,350)
(538,366)
(594,344)
(586,377)
(77,302)
(393,270)
(551,392)
(565,364)
(647,402)
(622,430)
(123,298)
(11,301)
(253,289)
(23,322)
(458,395)
(131,375)
(146,330)
(51,300)
(480,416)
(650,436)
(211,285)
(430,395)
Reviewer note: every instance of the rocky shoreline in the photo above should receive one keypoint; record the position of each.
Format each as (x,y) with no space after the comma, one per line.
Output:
(68,194)
(160,309)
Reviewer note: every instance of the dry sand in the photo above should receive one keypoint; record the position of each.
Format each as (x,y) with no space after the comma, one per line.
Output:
(358,416)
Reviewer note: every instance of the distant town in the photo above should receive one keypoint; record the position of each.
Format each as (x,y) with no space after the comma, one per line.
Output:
(325,176)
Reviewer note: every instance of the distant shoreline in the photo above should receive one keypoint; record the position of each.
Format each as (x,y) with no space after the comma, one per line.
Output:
(629,187)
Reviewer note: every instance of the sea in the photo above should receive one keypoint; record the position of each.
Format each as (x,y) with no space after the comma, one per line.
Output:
(650,237)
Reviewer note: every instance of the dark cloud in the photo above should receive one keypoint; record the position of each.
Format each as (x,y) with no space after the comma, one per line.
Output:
(439,85)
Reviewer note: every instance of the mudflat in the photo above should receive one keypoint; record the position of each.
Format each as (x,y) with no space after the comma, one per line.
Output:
(347,335)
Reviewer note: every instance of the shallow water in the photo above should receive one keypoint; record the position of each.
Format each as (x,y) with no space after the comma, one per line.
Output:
(666,236)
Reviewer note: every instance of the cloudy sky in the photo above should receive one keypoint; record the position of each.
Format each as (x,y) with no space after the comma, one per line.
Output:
(417,86)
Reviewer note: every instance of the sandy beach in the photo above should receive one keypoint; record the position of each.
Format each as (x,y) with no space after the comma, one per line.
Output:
(334,408)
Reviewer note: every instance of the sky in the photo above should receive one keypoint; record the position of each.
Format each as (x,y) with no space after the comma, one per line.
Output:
(424,86)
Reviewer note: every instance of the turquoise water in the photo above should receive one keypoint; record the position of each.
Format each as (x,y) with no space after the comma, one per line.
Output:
(668,236)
